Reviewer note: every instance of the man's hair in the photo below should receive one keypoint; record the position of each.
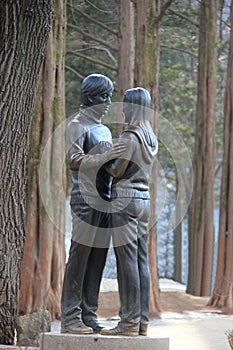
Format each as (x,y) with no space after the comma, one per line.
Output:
(96,84)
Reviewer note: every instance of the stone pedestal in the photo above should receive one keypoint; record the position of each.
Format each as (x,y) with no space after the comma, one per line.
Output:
(11,347)
(57,341)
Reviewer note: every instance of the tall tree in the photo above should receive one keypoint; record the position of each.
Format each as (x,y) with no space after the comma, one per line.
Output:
(149,15)
(126,52)
(44,254)
(126,47)
(178,238)
(223,289)
(24,30)
(201,230)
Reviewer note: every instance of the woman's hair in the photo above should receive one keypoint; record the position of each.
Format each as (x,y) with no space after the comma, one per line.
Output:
(136,105)
(139,96)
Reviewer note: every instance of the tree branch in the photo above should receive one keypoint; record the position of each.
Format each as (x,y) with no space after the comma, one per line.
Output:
(94,60)
(97,8)
(164,9)
(93,20)
(196,24)
(90,36)
(100,49)
(80,76)
(180,50)
(218,168)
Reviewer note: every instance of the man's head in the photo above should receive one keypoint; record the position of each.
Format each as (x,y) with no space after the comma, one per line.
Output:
(97,90)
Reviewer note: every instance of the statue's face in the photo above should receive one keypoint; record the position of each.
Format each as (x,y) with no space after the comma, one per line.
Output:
(127,109)
(101,102)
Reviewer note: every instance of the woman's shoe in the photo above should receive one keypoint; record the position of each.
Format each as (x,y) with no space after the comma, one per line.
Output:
(143,329)
(127,331)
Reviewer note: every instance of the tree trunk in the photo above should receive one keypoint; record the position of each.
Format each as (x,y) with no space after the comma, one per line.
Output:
(126,47)
(149,14)
(155,307)
(147,47)
(201,221)
(44,255)
(223,289)
(126,52)
(178,237)
(24,31)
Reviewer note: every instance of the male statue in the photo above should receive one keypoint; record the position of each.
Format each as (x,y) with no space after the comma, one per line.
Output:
(89,145)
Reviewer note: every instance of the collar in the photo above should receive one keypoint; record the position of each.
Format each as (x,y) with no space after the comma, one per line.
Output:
(90,115)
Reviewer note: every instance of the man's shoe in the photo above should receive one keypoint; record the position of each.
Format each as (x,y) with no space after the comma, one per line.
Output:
(76,328)
(143,329)
(95,326)
(129,331)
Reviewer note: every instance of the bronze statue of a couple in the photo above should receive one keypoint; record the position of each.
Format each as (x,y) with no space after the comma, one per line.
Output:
(109,200)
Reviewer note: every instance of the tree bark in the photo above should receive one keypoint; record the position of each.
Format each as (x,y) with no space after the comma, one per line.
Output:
(146,75)
(223,290)
(24,31)
(201,230)
(147,47)
(126,47)
(126,53)
(178,237)
(44,255)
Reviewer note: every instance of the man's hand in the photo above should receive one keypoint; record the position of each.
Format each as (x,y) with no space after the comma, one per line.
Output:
(117,151)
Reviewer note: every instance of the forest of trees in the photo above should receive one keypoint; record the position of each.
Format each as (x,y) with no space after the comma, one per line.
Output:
(181,51)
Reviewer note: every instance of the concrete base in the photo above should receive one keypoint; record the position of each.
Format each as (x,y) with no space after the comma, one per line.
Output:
(57,341)
(11,347)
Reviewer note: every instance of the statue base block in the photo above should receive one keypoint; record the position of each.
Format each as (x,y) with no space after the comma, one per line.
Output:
(57,341)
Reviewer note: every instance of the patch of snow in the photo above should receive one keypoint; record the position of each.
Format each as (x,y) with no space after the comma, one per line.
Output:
(110,285)
(169,285)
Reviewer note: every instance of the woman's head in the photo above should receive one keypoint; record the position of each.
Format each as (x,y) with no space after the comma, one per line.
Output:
(139,96)
(136,104)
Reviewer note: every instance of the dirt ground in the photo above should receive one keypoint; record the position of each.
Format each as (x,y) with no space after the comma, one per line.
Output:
(171,301)
(185,319)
